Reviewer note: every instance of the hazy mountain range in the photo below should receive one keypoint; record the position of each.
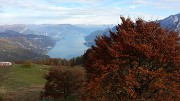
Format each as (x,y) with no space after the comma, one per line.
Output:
(92,36)
(31,41)
(172,23)
(56,31)
(35,41)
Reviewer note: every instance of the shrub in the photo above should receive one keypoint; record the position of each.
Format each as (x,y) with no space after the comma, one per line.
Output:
(27,64)
(63,82)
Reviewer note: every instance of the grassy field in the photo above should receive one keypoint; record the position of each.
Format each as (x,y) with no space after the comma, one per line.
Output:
(22,84)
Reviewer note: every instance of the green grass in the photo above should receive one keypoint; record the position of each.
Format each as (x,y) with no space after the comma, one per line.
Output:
(19,77)
(24,84)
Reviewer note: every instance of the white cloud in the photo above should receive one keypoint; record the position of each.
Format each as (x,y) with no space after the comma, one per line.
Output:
(18,3)
(165,5)
(159,4)
(91,11)
(1,11)
(78,1)
(169,0)
(132,7)
(139,1)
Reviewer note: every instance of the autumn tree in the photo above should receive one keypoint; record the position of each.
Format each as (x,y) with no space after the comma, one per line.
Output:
(140,61)
(63,82)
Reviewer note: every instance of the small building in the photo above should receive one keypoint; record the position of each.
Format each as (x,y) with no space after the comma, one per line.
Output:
(5,63)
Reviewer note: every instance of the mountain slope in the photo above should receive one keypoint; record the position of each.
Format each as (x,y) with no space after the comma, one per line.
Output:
(17,46)
(92,36)
(172,23)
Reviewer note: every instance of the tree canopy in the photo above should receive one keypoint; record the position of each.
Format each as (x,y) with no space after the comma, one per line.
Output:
(63,82)
(140,61)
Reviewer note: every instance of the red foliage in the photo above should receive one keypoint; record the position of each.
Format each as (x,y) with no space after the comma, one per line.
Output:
(63,82)
(141,61)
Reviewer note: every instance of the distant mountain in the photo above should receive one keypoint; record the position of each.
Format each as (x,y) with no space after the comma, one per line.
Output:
(17,46)
(172,23)
(95,27)
(92,36)
(15,27)
(41,38)
(13,52)
(56,31)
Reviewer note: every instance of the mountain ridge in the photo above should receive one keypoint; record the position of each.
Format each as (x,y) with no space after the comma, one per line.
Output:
(171,22)
(35,38)
(17,46)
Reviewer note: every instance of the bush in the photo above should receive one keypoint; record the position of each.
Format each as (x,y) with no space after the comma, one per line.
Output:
(63,82)
(1,99)
(27,64)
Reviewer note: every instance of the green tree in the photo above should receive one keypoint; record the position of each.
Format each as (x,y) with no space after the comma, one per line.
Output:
(76,61)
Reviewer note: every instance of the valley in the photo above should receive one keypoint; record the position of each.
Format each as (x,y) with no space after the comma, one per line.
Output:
(46,40)
(33,41)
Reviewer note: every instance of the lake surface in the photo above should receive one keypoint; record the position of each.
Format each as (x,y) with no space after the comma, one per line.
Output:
(68,47)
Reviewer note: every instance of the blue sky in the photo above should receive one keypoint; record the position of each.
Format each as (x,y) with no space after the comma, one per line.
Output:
(83,11)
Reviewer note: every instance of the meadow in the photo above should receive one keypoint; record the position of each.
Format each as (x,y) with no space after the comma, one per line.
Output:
(18,83)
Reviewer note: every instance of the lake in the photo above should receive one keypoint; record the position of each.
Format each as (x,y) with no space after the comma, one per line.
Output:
(68,47)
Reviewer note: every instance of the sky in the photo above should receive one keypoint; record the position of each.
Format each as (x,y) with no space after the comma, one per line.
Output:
(84,11)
